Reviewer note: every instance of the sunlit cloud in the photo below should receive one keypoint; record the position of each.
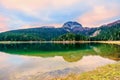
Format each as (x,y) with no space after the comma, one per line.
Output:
(37,13)
(3,23)
(99,16)
(35,6)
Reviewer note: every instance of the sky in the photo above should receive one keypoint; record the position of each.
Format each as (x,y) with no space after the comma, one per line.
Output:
(20,14)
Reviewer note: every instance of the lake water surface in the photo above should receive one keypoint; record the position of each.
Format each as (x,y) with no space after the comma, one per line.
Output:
(43,61)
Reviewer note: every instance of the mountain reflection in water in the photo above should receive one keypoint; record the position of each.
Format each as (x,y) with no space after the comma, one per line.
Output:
(43,61)
(70,52)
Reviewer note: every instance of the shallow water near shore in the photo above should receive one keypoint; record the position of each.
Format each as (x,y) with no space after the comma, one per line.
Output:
(44,61)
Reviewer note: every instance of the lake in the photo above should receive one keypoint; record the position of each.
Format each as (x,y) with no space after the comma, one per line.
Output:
(44,61)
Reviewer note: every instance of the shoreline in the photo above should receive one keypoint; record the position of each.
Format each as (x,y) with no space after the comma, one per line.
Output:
(64,42)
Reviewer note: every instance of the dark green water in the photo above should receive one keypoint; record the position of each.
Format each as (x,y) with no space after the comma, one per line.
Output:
(70,52)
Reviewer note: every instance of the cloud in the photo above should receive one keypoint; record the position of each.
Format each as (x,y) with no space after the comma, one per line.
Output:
(46,12)
(3,28)
(101,13)
(36,13)
(3,23)
(34,6)
(98,16)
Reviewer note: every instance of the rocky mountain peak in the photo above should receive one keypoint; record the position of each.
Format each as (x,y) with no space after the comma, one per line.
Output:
(72,24)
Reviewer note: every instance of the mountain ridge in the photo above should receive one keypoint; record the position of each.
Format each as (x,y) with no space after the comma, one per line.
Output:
(49,33)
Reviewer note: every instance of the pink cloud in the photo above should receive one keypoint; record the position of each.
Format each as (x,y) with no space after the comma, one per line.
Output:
(32,6)
(3,24)
(97,16)
(4,28)
(40,9)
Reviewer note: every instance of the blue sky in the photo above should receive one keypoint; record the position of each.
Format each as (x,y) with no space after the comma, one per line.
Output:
(18,14)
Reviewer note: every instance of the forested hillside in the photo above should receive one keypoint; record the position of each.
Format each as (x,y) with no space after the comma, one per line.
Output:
(72,37)
(69,31)
(34,34)
(108,32)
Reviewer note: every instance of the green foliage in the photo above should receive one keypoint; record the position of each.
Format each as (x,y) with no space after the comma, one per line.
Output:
(108,33)
(19,37)
(71,37)
(34,34)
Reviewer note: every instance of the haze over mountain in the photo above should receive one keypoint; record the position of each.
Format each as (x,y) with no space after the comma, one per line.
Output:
(70,30)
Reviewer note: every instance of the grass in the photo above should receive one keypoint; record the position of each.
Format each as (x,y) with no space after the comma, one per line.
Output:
(109,72)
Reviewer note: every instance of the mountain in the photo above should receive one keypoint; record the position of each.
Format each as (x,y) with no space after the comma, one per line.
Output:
(110,31)
(113,23)
(43,33)
(47,27)
(69,29)
(74,27)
